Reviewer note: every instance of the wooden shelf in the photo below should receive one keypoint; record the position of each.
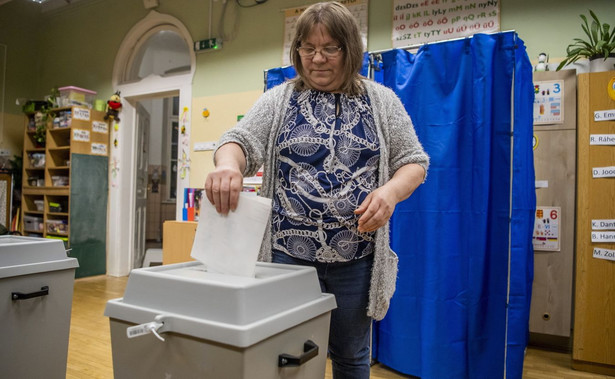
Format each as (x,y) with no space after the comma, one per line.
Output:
(68,149)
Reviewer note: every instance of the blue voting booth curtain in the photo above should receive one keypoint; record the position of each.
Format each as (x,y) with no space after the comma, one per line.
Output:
(461,308)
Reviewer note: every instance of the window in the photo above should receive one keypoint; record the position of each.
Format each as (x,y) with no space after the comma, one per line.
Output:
(170,150)
(160,52)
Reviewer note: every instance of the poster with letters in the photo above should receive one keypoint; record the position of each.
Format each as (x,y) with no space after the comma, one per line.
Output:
(422,21)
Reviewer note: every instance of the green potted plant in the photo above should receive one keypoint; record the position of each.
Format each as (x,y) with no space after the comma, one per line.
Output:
(42,112)
(40,133)
(599,47)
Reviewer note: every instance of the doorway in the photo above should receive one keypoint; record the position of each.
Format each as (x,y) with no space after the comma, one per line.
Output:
(160,171)
(155,62)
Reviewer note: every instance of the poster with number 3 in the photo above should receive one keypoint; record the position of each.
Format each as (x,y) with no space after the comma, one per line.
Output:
(549,102)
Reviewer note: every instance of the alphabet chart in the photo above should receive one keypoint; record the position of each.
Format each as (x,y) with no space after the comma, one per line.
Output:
(421,21)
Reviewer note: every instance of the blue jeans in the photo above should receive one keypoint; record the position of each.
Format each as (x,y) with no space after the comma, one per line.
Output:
(350,327)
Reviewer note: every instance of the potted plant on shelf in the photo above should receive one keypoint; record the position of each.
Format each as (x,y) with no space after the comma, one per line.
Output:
(599,47)
(40,133)
(41,112)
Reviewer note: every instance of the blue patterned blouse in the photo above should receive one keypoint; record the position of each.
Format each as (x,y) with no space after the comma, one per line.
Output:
(328,153)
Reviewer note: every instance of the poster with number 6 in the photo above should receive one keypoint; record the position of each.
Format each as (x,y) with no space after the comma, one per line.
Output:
(546,229)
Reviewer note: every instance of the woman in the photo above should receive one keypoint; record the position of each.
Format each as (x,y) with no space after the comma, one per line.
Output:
(339,152)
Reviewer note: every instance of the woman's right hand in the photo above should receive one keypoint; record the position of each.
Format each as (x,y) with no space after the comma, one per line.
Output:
(222,187)
(224,184)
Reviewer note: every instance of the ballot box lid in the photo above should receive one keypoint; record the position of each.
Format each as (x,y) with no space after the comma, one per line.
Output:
(20,255)
(231,309)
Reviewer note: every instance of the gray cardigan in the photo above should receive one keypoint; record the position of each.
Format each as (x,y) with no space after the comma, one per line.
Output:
(256,134)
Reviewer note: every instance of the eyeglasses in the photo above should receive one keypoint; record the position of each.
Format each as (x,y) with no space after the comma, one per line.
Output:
(327,51)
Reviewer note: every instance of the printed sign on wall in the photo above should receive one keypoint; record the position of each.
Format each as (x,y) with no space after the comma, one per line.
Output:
(81,135)
(607,115)
(99,148)
(607,254)
(549,102)
(81,114)
(546,229)
(100,127)
(422,21)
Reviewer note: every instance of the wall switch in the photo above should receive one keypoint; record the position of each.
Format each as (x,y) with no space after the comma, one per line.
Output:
(149,4)
(205,146)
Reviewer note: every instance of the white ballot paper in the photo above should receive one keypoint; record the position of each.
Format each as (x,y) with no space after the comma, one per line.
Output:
(229,244)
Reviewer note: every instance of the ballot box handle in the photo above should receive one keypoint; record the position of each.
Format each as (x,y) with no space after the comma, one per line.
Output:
(23,296)
(310,350)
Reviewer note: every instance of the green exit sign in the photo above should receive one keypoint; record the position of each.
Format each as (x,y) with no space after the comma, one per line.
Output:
(208,44)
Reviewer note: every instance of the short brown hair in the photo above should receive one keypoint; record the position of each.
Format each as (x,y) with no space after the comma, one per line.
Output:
(343,27)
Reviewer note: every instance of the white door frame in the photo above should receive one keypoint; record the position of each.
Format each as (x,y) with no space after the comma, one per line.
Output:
(122,175)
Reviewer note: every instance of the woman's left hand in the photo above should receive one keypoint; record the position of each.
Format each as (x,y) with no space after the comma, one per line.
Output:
(378,206)
(376,209)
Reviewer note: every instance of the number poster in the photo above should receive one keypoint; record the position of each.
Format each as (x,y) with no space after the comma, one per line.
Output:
(421,21)
(549,102)
(546,229)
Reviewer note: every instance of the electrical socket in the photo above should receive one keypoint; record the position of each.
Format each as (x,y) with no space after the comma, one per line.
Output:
(5,153)
(205,146)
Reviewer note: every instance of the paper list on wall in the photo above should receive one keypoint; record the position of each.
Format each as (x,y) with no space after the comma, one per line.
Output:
(357,7)
(422,21)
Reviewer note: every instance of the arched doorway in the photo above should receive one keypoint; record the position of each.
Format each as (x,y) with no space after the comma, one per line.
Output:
(140,74)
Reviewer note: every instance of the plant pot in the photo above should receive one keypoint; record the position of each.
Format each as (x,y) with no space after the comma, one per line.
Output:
(599,64)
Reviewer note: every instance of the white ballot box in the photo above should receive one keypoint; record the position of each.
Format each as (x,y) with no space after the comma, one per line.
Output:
(36,283)
(182,321)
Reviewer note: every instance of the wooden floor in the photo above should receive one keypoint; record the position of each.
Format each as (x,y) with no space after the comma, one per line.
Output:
(89,349)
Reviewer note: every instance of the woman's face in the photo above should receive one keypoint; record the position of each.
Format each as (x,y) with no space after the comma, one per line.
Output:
(320,72)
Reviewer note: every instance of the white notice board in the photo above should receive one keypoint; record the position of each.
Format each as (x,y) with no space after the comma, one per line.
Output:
(357,7)
(422,21)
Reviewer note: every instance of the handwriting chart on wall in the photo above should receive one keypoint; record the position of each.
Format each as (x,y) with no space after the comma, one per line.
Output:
(422,21)
(357,7)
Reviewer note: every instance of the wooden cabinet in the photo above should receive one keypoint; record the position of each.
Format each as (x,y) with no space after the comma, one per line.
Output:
(594,324)
(65,184)
(177,240)
(555,168)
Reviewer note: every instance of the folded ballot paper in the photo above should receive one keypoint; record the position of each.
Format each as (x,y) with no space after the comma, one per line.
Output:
(229,244)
